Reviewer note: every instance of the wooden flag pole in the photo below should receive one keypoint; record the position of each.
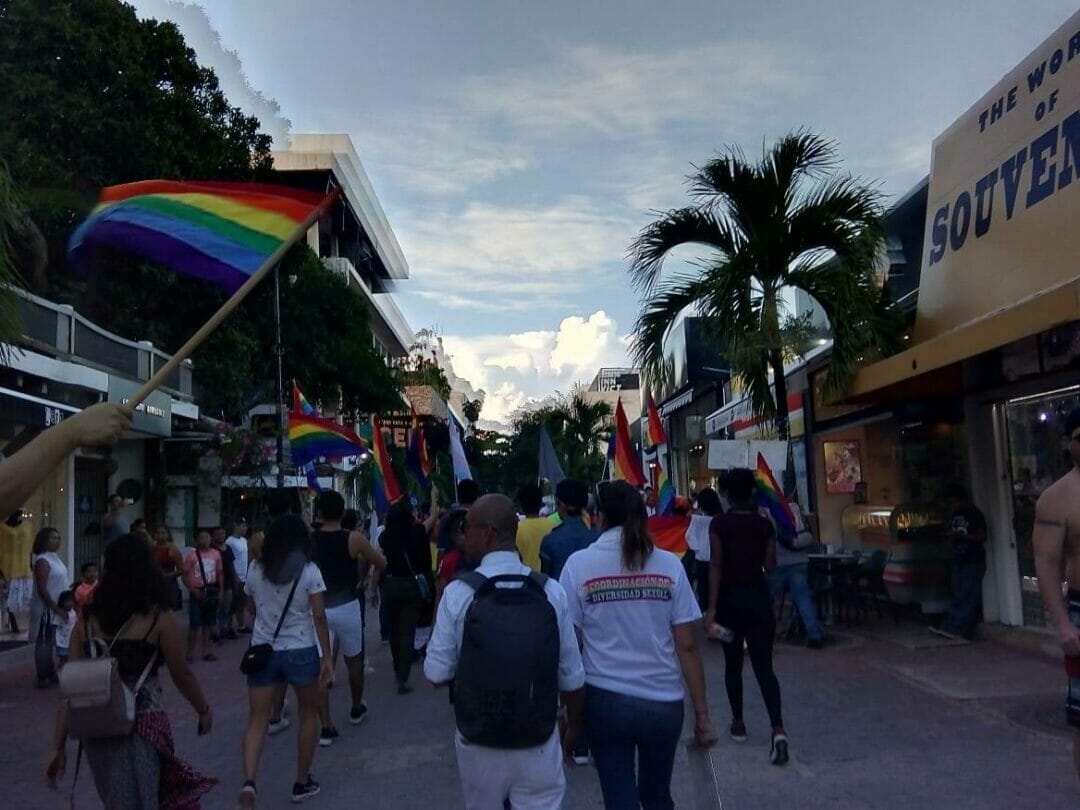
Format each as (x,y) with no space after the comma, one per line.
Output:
(196,340)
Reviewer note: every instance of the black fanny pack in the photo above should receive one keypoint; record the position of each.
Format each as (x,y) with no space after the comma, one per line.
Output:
(257,657)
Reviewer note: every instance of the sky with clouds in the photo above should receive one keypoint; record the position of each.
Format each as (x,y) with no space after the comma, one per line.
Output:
(518,147)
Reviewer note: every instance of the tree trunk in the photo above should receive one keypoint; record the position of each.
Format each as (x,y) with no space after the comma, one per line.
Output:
(783,427)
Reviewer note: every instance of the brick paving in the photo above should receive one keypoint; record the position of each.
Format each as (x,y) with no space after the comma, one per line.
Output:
(873,724)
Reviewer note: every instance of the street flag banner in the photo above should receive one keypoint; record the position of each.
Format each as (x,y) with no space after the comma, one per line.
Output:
(665,492)
(549,460)
(626,465)
(385,480)
(655,434)
(771,497)
(457,454)
(218,232)
(416,455)
(305,408)
(312,438)
(300,402)
(669,532)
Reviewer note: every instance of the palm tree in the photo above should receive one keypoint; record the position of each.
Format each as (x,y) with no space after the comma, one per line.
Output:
(791,220)
(586,425)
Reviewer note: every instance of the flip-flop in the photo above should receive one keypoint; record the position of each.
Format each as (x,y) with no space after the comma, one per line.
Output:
(209,657)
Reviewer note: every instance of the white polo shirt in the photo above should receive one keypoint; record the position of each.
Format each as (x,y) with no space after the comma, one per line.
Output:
(626,618)
(444,649)
(697,537)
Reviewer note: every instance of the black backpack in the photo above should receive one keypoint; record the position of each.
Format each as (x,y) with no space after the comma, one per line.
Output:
(506,688)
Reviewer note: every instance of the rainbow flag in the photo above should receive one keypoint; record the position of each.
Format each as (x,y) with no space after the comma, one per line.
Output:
(665,492)
(312,438)
(302,406)
(654,435)
(669,532)
(300,403)
(626,465)
(417,455)
(771,497)
(386,486)
(218,232)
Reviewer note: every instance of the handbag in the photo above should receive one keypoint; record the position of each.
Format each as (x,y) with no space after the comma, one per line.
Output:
(257,657)
(422,584)
(44,643)
(99,704)
(211,593)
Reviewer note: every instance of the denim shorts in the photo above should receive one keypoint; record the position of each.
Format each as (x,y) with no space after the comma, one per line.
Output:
(202,613)
(294,667)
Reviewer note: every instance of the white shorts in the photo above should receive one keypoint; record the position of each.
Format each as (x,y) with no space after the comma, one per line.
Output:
(347,627)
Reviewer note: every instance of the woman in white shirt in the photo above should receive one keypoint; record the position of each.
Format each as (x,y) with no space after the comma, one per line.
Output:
(636,615)
(285,567)
(51,578)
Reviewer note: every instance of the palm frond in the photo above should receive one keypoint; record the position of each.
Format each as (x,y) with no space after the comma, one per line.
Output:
(693,225)
(14,230)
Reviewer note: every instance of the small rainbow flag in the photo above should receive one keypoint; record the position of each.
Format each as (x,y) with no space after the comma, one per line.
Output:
(771,497)
(655,435)
(669,532)
(312,438)
(417,455)
(300,402)
(665,492)
(218,232)
(626,465)
(386,486)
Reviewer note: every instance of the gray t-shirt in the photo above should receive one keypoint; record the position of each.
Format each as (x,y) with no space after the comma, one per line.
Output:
(119,527)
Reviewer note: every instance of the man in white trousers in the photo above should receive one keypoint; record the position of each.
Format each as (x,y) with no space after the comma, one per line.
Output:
(507,684)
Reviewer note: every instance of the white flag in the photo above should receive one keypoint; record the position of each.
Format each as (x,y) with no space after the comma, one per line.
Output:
(457,454)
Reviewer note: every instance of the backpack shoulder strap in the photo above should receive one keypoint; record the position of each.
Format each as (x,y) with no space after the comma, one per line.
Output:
(539,579)
(473,579)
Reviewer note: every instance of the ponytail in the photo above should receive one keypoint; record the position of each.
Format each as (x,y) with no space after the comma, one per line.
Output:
(623,507)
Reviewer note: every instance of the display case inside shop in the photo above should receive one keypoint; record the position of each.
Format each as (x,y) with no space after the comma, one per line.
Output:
(915,539)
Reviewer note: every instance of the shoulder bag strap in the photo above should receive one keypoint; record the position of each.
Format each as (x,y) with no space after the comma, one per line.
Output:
(473,579)
(202,570)
(285,610)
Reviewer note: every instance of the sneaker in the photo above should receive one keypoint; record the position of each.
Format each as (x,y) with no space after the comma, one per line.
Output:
(779,753)
(301,793)
(278,726)
(369,669)
(358,716)
(941,631)
(247,796)
(815,643)
(737,732)
(244,631)
(326,739)
(580,754)
(403,688)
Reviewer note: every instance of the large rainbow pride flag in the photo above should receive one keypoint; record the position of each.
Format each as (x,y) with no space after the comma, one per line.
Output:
(771,497)
(312,438)
(218,232)
(655,435)
(387,491)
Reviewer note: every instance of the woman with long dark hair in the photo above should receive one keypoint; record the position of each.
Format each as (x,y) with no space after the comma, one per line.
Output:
(743,550)
(286,589)
(408,555)
(131,611)
(51,578)
(635,610)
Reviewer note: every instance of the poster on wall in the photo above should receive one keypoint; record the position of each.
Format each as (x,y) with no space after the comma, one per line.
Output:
(843,467)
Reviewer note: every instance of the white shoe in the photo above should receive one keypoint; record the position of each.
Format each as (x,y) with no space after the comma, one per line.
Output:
(279,726)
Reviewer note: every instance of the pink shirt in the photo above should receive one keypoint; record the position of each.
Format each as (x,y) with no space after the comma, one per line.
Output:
(211,563)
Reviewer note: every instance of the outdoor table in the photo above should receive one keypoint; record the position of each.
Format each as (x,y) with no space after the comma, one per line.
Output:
(830,566)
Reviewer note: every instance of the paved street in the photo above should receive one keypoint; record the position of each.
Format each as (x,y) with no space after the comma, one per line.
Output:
(875,723)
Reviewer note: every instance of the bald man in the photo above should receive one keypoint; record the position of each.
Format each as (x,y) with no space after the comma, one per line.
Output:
(514,755)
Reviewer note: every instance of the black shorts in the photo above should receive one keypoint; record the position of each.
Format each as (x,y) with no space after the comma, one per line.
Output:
(1072,665)
(202,612)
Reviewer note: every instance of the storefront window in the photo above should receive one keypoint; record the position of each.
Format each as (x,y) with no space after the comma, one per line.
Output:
(1037,458)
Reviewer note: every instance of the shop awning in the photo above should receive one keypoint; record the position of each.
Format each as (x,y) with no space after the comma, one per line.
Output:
(933,368)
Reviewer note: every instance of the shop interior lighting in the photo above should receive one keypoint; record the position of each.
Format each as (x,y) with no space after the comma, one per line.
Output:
(1060,392)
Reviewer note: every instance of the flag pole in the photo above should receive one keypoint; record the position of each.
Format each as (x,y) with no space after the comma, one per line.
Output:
(196,340)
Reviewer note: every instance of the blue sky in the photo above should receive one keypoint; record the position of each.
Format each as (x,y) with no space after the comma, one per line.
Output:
(518,147)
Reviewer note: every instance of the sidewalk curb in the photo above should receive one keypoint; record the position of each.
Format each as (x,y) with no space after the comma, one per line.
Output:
(705,782)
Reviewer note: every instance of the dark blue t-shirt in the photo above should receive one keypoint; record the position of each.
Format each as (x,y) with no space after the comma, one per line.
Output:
(569,536)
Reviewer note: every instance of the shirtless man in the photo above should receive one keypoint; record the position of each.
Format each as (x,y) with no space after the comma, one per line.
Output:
(1057,556)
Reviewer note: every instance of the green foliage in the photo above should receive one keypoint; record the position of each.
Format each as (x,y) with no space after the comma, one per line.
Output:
(13,224)
(421,367)
(92,96)
(791,220)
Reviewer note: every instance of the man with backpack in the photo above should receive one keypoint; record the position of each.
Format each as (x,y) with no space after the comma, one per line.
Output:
(503,637)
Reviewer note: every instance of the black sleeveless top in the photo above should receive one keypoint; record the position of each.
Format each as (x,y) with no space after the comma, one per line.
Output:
(338,567)
(133,654)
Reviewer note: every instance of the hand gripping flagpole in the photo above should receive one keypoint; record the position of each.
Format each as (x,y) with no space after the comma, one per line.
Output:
(196,340)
